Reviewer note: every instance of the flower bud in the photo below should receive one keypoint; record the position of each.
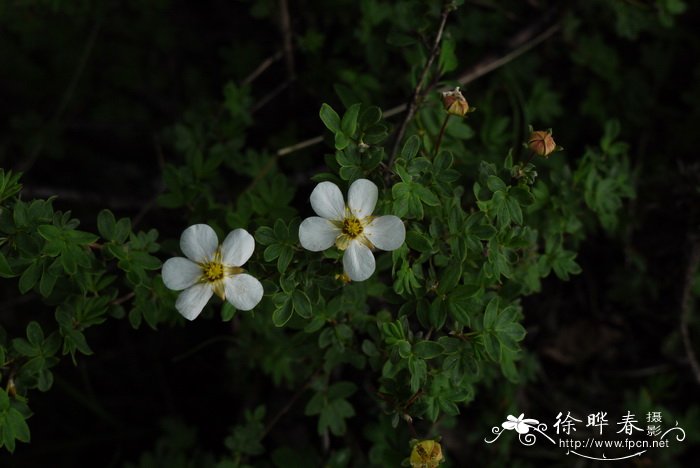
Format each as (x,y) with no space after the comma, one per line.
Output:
(455,103)
(426,454)
(541,143)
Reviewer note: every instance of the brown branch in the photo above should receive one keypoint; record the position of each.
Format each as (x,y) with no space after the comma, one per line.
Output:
(417,92)
(522,42)
(286,26)
(270,96)
(687,305)
(260,69)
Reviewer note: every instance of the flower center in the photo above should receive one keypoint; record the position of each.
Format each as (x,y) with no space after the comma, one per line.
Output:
(213,271)
(352,227)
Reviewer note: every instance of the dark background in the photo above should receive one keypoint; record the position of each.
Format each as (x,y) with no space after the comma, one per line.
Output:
(91,90)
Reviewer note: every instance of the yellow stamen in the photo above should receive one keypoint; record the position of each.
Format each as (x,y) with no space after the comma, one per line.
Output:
(352,227)
(212,271)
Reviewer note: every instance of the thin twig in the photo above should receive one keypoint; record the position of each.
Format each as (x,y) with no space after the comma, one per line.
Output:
(260,69)
(687,305)
(123,299)
(286,26)
(270,96)
(417,92)
(27,163)
(475,72)
(442,132)
(287,407)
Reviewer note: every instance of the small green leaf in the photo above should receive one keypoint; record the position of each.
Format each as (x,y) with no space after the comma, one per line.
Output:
(35,334)
(302,304)
(349,122)
(265,235)
(106,223)
(495,183)
(283,313)
(330,118)
(411,147)
(29,277)
(370,116)
(418,242)
(341,141)
(285,257)
(491,314)
(427,349)
(451,275)
(5,270)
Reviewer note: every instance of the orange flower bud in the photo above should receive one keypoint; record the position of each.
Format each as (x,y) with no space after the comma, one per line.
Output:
(455,103)
(541,143)
(426,454)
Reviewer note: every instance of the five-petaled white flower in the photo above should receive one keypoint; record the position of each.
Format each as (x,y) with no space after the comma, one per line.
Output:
(352,228)
(521,426)
(212,268)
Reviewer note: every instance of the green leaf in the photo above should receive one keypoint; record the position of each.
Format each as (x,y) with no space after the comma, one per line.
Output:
(341,390)
(35,334)
(349,122)
(272,252)
(122,230)
(47,283)
(302,304)
(411,147)
(491,314)
(341,141)
(29,277)
(450,277)
(106,224)
(285,257)
(49,232)
(283,313)
(5,270)
(495,183)
(370,116)
(228,311)
(330,118)
(427,349)
(516,214)
(428,197)
(23,347)
(418,242)
(4,400)
(18,425)
(265,235)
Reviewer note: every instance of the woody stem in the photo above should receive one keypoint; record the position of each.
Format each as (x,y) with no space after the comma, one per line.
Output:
(442,132)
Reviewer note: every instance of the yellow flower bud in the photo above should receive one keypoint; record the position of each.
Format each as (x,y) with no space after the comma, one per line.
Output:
(541,143)
(344,278)
(455,103)
(426,454)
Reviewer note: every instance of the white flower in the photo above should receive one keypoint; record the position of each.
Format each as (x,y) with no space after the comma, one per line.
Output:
(212,268)
(521,426)
(352,228)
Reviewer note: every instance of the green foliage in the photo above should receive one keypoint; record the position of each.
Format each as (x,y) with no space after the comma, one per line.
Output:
(441,324)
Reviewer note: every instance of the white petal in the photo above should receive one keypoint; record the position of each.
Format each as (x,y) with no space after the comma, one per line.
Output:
(509,425)
(386,232)
(522,428)
(358,261)
(243,291)
(317,234)
(327,201)
(199,243)
(362,198)
(180,273)
(237,248)
(193,299)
